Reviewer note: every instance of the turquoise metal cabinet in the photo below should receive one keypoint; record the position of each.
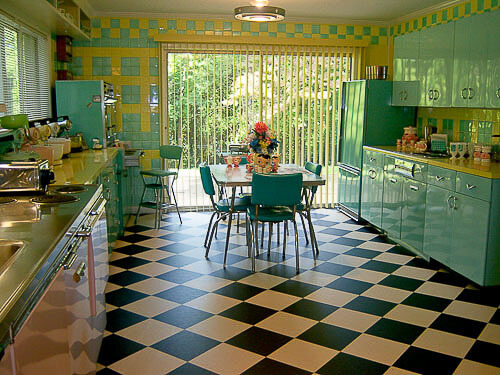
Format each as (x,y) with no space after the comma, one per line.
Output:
(469,62)
(110,188)
(470,238)
(349,189)
(492,19)
(435,67)
(405,81)
(372,187)
(413,213)
(392,200)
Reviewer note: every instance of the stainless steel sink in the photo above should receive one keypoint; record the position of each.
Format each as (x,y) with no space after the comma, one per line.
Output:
(7,249)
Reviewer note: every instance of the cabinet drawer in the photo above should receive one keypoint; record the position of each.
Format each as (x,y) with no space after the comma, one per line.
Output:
(474,186)
(374,159)
(441,177)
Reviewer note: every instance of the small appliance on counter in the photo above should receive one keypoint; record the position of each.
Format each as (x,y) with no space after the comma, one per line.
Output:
(439,142)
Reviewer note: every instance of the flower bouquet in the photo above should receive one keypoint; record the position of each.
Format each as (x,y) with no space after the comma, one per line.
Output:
(263,142)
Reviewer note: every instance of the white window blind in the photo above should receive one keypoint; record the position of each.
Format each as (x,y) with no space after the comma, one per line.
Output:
(24,71)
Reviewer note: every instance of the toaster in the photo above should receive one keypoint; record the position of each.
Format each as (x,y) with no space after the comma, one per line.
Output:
(25,176)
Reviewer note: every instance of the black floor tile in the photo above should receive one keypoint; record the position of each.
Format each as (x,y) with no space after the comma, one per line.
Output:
(107,371)
(239,291)
(335,231)
(129,262)
(330,336)
(115,347)
(132,249)
(119,319)
(449,279)
(317,215)
(348,241)
(281,270)
(179,276)
(376,265)
(370,305)
(349,285)
(177,248)
(485,352)
(401,282)
(325,223)
(426,362)
(495,319)
(427,302)
(310,309)
(231,258)
(178,260)
(181,294)
(176,237)
(333,268)
(363,253)
(189,369)
(231,273)
(269,367)
(258,340)
(183,316)
(484,296)
(368,229)
(460,326)
(123,296)
(396,331)
(346,364)
(421,263)
(400,250)
(295,288)
(126,278)
(276,255)
(185,345)
(134,238)
(137,228)
(248,313)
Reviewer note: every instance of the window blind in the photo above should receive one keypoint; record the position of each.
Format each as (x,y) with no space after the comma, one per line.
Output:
(217,92)
(24,71)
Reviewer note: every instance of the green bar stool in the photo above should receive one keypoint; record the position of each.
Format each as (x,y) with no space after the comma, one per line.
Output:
(158,181)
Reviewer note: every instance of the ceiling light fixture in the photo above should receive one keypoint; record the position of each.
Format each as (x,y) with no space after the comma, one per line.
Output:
(259,11)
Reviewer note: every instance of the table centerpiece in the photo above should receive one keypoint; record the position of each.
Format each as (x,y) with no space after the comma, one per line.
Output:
(262,143)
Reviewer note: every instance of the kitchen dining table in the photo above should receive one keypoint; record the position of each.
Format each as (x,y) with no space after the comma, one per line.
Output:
(233,177)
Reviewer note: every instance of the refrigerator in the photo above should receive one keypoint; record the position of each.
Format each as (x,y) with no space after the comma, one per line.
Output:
(367,119)
(90,105)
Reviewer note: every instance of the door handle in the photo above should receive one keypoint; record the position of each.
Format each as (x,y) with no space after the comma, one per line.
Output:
(449,201)
(372,160)
(439,178)
(471,93)
(470,187)
(431,95)
(413,187)
(372,174)
(454,203)
(498,93)
(401,95)
(436,94)
(464,93)
(393,180)
(406,94)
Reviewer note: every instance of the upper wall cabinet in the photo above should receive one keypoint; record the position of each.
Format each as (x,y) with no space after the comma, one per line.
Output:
(435,65)
(469,65)
(405,85)
(492,99)
(54,16)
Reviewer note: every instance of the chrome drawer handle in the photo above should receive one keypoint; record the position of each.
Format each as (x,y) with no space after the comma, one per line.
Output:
(68,262)
(393,180)
(439,178)
(372,160)
(470,187)
(464,93)
(414,188)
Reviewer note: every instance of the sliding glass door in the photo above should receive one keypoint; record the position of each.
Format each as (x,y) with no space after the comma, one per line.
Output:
(216,92)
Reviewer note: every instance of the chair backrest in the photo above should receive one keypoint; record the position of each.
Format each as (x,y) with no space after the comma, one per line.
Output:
(206,179)
(276,190)
(171,152)
(316,169)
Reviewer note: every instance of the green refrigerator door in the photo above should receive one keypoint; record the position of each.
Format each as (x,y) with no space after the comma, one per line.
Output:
(353,119)
(83,103)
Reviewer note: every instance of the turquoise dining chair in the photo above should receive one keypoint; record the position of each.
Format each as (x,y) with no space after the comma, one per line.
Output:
(154,179)
(274,199)
(221,207)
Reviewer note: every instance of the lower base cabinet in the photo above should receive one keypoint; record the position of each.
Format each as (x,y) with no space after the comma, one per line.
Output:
(349,190)
(413,213)
(392,204)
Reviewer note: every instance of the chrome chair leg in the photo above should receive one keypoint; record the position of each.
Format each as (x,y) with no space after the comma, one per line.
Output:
(285,229)
(262,235)
(256,244)
(296,246)
(270,236)
(142,198)
(304,227)
(278,233)
(238,223)
(175,200)
(208,230)
(256,235)
(214,229)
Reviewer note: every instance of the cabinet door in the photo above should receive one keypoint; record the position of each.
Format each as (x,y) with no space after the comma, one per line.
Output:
(469,241)
(372,188)
(391,206)
(399,73)
(405,85)
(413,213)
(492,20)
(469,66)
(438,229)
(436,65)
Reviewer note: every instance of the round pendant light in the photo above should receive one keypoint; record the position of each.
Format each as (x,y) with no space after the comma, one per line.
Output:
(259,13)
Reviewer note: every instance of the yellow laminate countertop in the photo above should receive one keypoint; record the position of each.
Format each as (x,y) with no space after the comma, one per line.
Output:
(488,170)
(83,167)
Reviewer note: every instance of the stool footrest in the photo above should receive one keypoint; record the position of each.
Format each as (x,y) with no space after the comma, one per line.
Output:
(153,205)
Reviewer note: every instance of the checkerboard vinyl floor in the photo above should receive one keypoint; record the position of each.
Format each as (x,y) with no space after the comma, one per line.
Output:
(364,307)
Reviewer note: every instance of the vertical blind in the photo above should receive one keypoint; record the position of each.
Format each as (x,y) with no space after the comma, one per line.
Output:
(216,92)
(24,71)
